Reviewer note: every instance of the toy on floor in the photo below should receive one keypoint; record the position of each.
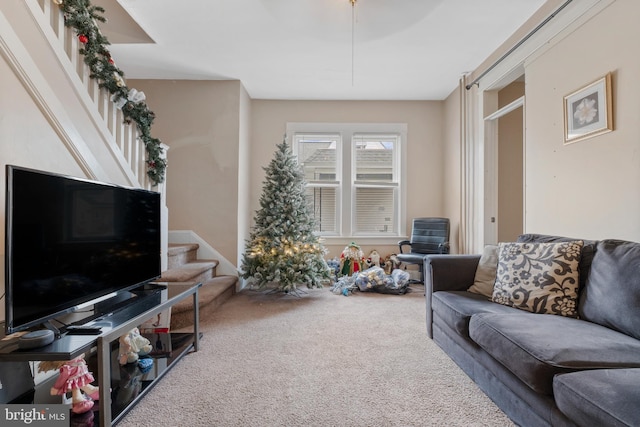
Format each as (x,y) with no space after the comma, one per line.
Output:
(373,260)
(374,279)
(334,267)
(351,259)
(132,346)
(390,263)
(75,378)
(344,286)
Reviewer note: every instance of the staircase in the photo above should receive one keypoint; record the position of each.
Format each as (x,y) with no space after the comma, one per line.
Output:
(89,124)
(183,266)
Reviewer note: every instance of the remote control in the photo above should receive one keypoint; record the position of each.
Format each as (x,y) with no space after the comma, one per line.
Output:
(83,330)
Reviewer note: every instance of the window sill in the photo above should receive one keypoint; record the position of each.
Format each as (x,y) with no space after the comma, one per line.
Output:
(363,240)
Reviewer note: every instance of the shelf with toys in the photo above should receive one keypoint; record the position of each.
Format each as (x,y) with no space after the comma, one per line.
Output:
(130,362)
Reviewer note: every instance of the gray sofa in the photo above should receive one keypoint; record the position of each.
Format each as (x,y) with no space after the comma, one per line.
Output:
(544,369)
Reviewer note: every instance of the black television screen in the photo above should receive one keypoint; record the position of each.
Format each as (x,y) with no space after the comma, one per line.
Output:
(70,241)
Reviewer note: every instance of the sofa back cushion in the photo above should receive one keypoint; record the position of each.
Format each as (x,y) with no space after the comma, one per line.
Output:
(611,296)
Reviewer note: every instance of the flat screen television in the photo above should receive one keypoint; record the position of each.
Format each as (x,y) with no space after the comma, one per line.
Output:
(70,241)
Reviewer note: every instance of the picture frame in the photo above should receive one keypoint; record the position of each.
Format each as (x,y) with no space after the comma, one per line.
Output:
(588,111)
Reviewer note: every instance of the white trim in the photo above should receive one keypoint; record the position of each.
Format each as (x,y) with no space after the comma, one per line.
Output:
(82,83)
(18,58)
(363,240)
(491,168)
(345,166)
(514,105)
(571,17)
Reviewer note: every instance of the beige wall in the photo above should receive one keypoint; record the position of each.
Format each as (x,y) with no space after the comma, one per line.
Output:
(424,146)
(589,188)
(200,122)
(26,139)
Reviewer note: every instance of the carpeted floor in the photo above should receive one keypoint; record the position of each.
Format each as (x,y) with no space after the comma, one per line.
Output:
(316,360)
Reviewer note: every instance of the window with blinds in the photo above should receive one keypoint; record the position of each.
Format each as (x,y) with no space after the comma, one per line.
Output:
(353,178)
(319,155)
(375,184)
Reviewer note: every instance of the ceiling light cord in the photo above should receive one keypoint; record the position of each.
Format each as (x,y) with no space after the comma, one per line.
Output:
(353,32)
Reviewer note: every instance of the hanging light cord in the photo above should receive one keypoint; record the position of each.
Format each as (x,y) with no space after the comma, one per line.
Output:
(353,32)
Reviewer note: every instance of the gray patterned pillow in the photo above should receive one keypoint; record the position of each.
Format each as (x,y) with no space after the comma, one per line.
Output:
(539,277)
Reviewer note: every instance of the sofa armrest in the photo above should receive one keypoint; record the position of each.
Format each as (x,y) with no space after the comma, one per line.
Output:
(447,273)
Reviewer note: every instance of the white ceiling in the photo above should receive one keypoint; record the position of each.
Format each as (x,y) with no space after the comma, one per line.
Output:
(313,49)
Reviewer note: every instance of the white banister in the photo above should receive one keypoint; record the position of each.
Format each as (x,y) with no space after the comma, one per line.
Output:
(121,138)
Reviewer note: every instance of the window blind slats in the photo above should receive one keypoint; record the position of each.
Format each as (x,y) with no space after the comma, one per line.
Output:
(374,210)
(323,204)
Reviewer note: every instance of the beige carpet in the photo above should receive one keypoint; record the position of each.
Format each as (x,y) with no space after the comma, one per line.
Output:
(316,360)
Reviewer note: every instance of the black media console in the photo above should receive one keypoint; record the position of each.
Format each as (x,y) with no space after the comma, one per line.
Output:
(130,384)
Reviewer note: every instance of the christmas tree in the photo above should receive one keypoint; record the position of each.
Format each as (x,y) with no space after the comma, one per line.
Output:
(282,249)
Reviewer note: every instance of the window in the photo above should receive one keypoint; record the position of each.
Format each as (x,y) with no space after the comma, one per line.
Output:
(353,175)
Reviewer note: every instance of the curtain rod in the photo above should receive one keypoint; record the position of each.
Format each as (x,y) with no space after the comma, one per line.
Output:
(517,45)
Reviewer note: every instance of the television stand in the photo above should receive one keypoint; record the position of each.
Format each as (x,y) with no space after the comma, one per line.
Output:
(112,405)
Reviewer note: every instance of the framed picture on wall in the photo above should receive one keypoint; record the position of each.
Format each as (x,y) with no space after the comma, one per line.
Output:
(588,111)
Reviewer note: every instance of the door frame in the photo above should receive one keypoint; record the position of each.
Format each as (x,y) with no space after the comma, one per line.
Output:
(491,172)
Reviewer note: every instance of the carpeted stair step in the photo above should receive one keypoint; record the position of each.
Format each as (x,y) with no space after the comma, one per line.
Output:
(196,271)
(211,295)
(181,253)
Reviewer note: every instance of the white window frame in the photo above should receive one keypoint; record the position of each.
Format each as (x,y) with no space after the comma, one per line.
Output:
(345,178)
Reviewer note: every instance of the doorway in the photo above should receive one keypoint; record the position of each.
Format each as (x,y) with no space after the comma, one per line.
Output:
(504,166)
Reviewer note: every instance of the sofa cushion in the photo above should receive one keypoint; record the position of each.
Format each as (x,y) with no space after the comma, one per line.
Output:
(537,347)
(455,308)
(586,257)
(611,296)
(485,276)
(601,397)
(539,277)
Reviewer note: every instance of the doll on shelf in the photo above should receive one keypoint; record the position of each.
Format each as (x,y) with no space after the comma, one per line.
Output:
(75,378)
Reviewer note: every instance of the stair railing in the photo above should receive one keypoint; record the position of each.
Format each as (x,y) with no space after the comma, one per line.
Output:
(122,138)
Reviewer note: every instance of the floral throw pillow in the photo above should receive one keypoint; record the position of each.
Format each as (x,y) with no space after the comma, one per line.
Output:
(539,277)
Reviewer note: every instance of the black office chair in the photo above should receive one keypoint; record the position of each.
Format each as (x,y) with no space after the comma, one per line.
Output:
(428,236)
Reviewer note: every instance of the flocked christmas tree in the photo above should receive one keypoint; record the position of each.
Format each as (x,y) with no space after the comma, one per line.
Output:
(282,249)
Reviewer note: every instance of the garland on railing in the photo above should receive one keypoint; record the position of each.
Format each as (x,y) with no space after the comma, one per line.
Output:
(81,15)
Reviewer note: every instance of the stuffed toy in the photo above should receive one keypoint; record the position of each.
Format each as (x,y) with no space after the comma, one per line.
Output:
(75,378)
(391,263)
(373,260)
(351,260)
(334,267)
(132,346)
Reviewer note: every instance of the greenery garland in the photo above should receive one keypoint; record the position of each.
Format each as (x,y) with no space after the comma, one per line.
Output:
(81,15)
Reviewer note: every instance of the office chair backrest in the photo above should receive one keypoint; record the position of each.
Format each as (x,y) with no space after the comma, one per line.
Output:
(429,235)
